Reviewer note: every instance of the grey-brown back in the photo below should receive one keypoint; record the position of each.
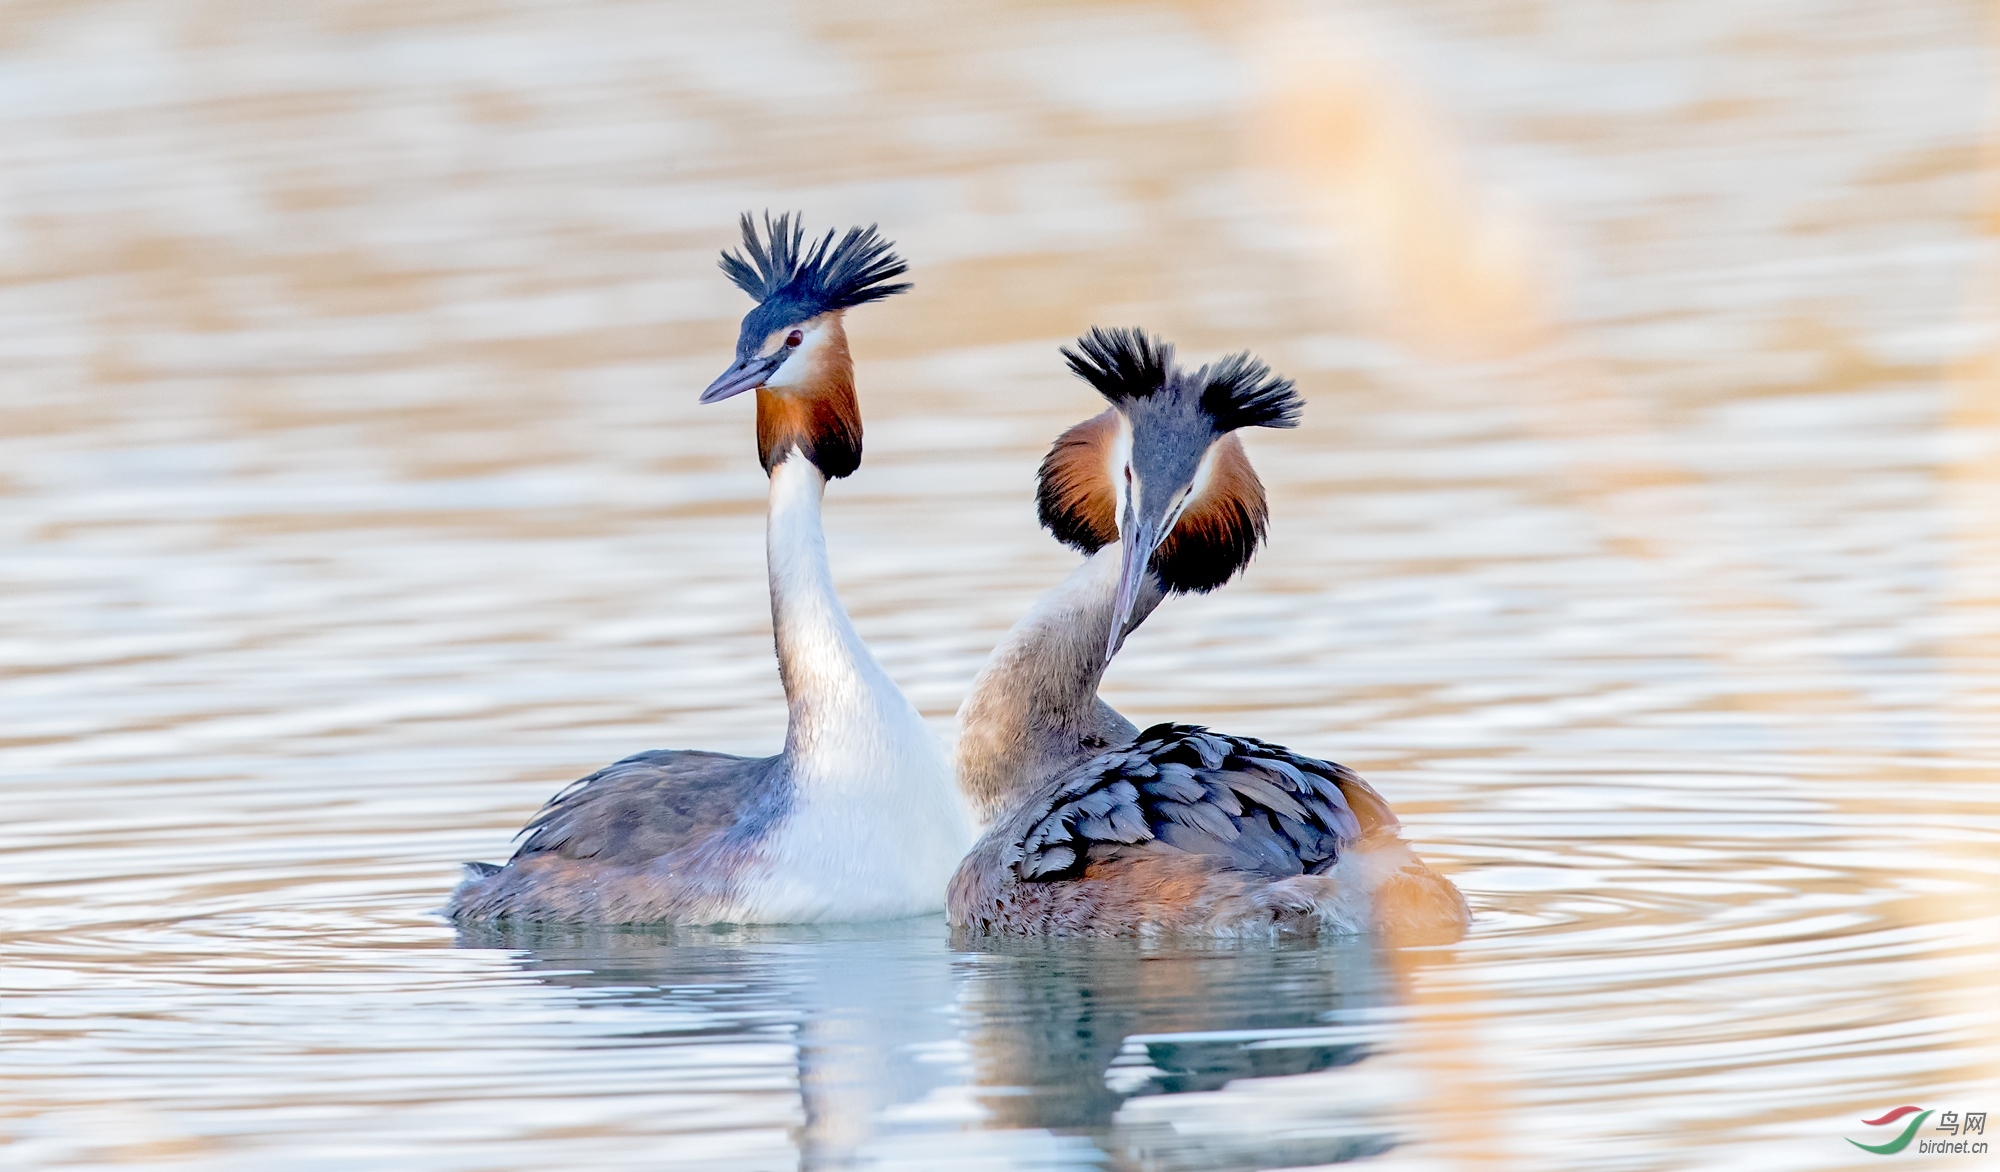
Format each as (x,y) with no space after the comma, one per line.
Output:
(1254,805)
(1181,830)
(654,803)
(658,836)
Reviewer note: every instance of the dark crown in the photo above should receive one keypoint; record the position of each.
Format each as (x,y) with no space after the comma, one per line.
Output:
(1236,391)
(1240,391)
(1122,364)
(822,278)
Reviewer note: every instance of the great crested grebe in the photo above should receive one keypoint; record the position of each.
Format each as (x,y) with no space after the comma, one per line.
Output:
(1098,828)
(858,818)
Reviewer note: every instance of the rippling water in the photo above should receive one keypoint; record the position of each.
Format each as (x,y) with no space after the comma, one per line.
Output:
(1641,544)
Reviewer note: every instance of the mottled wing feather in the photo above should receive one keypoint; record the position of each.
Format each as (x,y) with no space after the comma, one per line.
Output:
(1259,805)
(650,804)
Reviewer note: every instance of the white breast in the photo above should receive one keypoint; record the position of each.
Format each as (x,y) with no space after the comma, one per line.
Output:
(876,834)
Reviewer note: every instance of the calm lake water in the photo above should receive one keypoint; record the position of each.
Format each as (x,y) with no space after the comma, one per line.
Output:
(1642,544)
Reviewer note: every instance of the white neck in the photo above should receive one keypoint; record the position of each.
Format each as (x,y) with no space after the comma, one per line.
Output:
(875,826)
(833,684)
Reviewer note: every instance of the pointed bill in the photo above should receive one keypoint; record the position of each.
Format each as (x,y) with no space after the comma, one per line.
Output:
(746,375)
(1136,540)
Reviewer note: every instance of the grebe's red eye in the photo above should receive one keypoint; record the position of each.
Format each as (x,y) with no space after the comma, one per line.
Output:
(794,338)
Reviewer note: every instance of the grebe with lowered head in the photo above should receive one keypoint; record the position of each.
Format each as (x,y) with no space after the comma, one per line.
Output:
(1098,828)
(858,818)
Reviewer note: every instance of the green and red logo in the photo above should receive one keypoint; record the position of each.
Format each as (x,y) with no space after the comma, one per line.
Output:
(1951,1123)
(1900,1142)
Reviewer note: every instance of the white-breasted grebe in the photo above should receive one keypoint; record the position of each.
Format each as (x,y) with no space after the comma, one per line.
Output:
(1098,828)
(858,818)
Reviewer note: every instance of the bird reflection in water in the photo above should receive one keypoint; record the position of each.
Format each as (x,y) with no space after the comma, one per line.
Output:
(910,1046)
(1068,1035)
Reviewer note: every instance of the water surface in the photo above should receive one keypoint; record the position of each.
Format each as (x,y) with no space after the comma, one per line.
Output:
(1640,544)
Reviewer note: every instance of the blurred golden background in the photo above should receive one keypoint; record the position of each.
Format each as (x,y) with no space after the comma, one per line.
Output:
(1642,543)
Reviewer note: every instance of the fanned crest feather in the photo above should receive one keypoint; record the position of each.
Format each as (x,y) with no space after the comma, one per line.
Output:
(825,277)
(1236,391)
(1240,391)
(1122,364)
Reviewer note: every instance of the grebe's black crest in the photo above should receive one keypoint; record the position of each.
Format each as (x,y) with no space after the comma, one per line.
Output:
(1122,364)
(1234,392)
(793,282)
(1240,391)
